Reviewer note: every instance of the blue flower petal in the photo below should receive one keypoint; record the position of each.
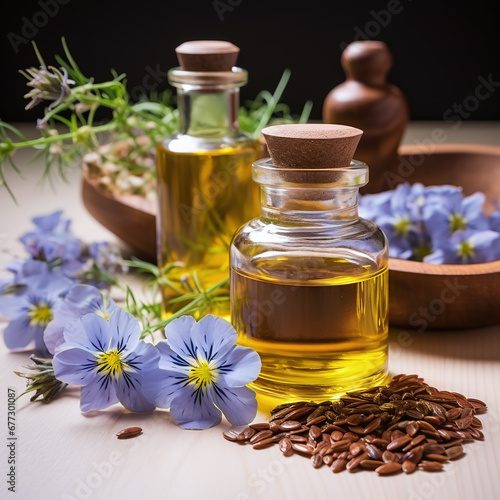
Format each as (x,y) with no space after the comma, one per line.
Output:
(16,266)
(240,367)
(171,361)
(80,300)
(47,223)
(19,334)
(484,239)
(162,388)
(144,358)
(437,257)
(192,412)
(129,390)
(472,208)
(495,221)
(90,332)
(487,245)
(40,347)
(213,336)
(75,366)
(95,398)
(178,334)
(125,331)
(399,198)
(239,405)
(13,306)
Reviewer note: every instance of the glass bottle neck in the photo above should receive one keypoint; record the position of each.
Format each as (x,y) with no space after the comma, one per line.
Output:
(208,112)
(308,207)
(309,197)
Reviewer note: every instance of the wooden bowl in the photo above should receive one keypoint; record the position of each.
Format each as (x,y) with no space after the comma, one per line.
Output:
(132,218)
(422,296)
(448,296)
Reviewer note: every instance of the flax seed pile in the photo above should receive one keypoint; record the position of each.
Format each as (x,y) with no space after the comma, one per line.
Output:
(404,426)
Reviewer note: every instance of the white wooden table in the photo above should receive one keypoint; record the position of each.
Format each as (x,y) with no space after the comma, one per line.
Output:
(64,454)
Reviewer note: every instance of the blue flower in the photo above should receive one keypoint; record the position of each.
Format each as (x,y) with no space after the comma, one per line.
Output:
(373,205)
(204,373)
(399,214)
(53,241)
(448,212)
(434,223)
(495,221)
(108,359)
(38,294)
(104,260)
(464,247)
(80,300)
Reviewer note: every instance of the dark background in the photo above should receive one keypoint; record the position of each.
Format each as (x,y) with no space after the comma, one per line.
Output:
(440,48)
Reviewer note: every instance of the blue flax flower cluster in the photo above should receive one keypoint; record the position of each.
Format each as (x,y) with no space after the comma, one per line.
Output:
(198,371)
(57,261)
(436,224)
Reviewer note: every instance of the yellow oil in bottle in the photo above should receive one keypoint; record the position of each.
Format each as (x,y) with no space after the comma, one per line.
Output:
(204,196)
(318,337)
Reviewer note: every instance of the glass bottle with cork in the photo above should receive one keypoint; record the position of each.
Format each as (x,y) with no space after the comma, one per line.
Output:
(309,279)
(205,189)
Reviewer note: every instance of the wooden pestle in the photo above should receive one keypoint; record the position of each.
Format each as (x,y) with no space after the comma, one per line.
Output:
(367,101)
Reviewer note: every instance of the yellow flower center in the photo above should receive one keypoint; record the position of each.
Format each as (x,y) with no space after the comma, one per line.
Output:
(111,364)
(466,250)
(422,251)
(39,314)
(402,226)
(457,222)
(103,314)
(203,375)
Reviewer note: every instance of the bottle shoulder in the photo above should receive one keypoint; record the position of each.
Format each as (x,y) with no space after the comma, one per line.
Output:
(269,252)
(259,230)
(185,143)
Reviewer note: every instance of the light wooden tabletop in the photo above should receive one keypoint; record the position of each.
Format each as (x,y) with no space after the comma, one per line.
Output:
(64,454)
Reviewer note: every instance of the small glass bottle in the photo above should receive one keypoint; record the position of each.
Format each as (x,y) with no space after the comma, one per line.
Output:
(205,188)
(309,279)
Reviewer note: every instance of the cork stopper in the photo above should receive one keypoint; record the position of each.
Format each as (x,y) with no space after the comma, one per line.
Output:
(311,145)
(207,55)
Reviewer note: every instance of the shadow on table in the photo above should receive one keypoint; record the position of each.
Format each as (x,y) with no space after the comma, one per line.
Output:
(481,343)
(127,418)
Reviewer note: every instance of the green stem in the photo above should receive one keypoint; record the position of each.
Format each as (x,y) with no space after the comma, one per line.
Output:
(186,309)
(275,99)
(61,137)
(126,107)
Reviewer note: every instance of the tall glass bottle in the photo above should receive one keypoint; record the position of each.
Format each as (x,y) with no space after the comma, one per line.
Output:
(205,190)
(309,279)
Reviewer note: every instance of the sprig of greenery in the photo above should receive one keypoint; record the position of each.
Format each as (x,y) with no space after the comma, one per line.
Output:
(77,112)
(81,100)
(199,300)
